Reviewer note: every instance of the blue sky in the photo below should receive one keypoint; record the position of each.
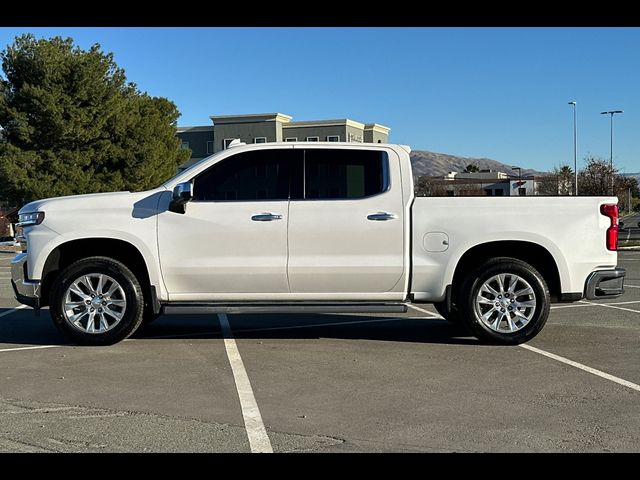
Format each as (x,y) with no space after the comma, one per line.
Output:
(500,93)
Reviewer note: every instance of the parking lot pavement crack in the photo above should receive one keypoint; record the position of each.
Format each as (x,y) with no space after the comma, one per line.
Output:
(353,444)
(14,445)
(289,442)
(320,443)
(29,426)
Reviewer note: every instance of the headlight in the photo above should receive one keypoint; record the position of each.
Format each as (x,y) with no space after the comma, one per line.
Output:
(28,219)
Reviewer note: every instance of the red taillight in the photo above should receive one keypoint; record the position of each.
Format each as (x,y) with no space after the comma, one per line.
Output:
(611,211)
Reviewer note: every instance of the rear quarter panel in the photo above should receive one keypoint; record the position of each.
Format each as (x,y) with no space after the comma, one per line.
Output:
(570,228)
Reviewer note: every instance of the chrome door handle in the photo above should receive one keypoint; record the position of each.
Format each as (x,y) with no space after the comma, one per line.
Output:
(381,216)
(266,217)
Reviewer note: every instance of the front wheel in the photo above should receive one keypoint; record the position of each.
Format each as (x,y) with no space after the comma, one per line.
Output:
(97,301)
(505,301)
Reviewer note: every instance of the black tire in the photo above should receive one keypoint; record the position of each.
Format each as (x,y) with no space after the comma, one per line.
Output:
(132,314)
(451,315)
(472,284)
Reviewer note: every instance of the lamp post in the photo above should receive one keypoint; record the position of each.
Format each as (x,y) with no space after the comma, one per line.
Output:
(519,176)
(575,146)
(611,113)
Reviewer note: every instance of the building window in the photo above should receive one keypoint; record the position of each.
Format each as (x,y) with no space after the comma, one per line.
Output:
(209,147)
(260,140)
(333,138)
(184,146)
(522,192)
(291,139)
(226,142)
(313,139)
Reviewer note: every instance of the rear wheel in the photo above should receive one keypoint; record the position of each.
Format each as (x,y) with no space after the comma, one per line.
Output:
(97,301)
(504,301)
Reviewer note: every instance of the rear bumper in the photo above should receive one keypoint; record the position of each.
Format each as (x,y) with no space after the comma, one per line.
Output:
(26,291)
(605,284)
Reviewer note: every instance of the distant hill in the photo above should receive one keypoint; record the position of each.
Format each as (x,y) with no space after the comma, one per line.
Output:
(634,175)
(432,164)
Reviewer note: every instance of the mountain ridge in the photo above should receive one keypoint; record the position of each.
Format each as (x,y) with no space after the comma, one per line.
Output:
(429,163)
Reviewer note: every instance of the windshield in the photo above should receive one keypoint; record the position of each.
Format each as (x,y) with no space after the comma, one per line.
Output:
(190,167)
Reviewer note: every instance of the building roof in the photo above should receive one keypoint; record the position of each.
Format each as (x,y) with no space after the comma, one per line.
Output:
(326,123)
(251,118)
(206,128)
(376,127)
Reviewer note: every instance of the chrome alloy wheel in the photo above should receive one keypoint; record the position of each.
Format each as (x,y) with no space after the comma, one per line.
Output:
(505,303)
(94,303)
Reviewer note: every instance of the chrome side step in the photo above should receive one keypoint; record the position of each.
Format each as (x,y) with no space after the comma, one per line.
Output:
(300,307)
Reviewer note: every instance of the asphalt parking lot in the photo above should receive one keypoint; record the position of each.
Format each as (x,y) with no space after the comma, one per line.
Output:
(325,383)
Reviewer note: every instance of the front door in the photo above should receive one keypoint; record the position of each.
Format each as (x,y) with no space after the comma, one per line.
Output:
(231,244)
(346,232)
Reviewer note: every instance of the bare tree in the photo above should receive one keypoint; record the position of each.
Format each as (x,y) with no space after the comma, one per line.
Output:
(558,182)
(426,186)
(595,177)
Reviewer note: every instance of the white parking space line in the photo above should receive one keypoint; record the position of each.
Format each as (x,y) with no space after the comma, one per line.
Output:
(571,306)
(20,307)
(256,432)
(433,315)
(606,305)
(590,304)
(593,371)
(36,347)
(632,286)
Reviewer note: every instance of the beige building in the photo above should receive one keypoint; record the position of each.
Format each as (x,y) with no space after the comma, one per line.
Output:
(274,127)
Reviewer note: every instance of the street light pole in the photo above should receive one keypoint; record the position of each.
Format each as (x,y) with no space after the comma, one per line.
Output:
(519,176)
(611,113)
(575,145)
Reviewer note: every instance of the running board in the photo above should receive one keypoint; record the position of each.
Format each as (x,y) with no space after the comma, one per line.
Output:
(255,307)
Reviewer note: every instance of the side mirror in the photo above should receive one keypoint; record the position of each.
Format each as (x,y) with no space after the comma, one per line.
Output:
(182,194)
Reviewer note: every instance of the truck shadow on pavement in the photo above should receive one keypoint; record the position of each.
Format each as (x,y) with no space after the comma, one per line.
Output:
(24,328)
(321,326)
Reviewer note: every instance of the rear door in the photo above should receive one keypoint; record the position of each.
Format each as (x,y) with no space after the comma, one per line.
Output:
(346,234)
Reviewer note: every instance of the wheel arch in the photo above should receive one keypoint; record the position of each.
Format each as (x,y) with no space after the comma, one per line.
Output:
(532,253)
(64,254)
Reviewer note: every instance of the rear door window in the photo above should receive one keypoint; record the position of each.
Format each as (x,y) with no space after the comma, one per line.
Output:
(334,174)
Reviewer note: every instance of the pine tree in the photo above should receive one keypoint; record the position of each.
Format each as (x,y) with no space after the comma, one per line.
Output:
(71,124)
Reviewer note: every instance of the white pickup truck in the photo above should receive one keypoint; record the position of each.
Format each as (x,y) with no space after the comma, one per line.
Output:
(311,227)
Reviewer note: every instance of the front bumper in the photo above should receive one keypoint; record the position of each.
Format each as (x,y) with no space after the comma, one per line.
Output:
(27,291)
(605,284)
